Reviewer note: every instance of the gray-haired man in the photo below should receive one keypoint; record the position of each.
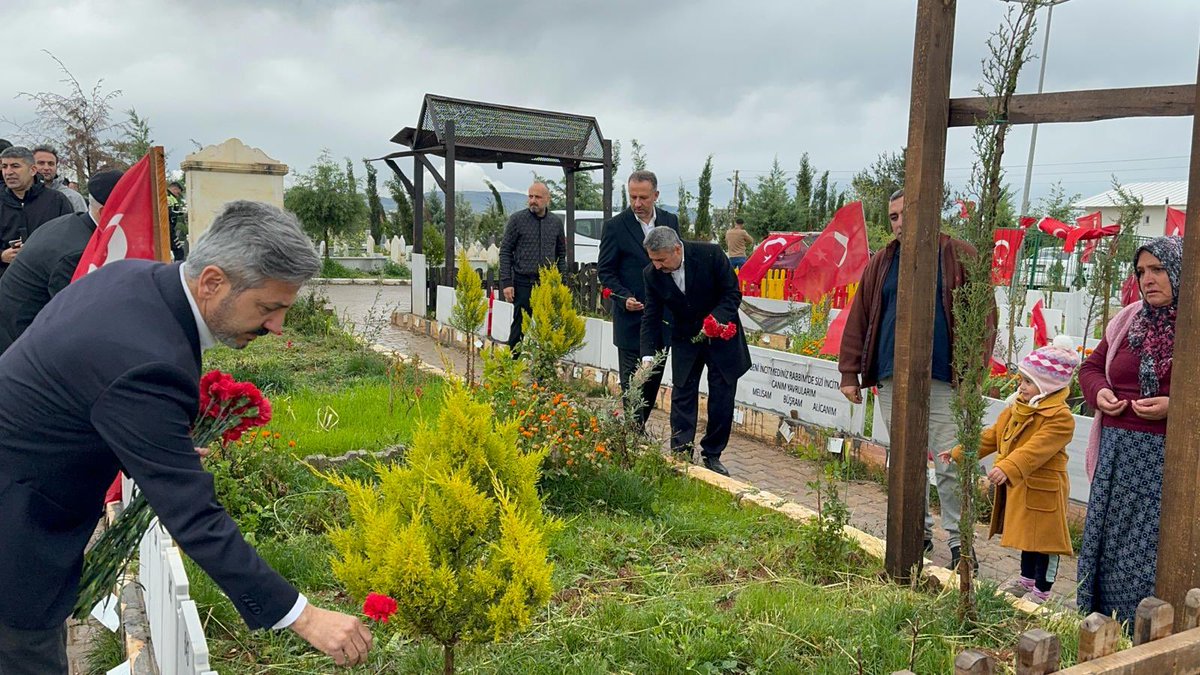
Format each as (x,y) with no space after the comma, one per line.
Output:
(74,416)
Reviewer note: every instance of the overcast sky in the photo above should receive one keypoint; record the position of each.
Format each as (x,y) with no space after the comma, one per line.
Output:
(743,81)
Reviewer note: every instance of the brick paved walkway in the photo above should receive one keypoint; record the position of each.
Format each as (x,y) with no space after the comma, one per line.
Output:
(767,467)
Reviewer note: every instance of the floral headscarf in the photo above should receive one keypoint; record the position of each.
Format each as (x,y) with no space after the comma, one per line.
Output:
(1152,335)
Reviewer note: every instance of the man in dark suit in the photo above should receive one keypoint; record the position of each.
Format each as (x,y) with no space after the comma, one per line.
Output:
(48,260)
(106,378)
(695,280)
(621,261)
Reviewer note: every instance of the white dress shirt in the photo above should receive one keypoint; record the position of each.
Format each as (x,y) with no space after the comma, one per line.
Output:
(646,227)
(207,342)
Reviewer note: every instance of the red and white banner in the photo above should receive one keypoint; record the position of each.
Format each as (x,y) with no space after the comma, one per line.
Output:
(1054,227)
(1005,253)
(127,227)
(1027,221)
(1088,221)
(1176,222)
(838,257)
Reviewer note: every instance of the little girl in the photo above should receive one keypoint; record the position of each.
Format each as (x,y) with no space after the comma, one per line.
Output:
(1030,473)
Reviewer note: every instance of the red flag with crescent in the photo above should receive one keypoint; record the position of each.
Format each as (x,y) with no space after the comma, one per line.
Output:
(1176,220)
(1038,321)
(1005,253)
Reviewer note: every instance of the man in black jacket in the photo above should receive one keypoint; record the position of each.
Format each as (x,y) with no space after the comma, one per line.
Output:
(695,281)
(107,378)
(621,261)
(533,239)
(48,261)
(25,203)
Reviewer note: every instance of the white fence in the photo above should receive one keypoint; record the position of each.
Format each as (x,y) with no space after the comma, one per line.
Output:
(176,633)
(779,382)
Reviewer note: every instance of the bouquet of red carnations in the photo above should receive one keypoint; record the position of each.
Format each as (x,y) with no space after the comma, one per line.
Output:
(715,330)
(228,409)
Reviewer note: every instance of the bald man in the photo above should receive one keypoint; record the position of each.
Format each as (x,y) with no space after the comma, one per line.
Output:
(533,239)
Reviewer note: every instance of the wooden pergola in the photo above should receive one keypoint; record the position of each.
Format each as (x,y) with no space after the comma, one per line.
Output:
(459,130)
(932,113)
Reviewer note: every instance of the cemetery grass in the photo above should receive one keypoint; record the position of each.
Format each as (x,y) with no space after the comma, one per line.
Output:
(679,579)
(332,269)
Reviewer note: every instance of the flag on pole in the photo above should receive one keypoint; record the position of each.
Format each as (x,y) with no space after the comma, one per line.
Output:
(838,257)
(1088,221)
(1176,220)
(1005,253)
(833,336)
(1027,222)
(134,222)
(1037,320)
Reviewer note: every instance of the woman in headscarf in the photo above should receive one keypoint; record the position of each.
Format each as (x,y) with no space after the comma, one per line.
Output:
(1127,379)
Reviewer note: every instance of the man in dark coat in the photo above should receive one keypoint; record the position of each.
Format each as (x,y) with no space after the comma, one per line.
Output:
(695,281)
(25,203)
(533,239)
(106,379)
(622,258)
(48,261)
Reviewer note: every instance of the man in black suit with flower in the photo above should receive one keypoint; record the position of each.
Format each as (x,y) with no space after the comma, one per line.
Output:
(694,280)
(620,263)
(106,378)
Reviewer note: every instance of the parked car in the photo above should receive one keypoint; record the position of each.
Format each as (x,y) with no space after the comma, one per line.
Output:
(587,234)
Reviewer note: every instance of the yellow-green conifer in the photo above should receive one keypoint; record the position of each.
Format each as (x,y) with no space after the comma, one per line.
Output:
(555,328)
(470,309)
(456,535)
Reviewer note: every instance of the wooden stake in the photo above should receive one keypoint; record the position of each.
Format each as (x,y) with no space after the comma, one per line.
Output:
(1098,635)
(1179,527)
(162,221)
(973,662)
(928,115)
(1038,652)
(1152,621)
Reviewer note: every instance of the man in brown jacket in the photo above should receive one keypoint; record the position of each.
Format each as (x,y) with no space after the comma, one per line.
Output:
(737,243)
(868,345)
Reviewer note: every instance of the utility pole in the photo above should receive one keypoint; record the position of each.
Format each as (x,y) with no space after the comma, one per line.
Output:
(736,185)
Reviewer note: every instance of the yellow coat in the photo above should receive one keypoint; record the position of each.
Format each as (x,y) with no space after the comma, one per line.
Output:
(1030,510)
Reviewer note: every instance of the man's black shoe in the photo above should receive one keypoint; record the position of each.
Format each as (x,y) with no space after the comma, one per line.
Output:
(955,554)
(713,464)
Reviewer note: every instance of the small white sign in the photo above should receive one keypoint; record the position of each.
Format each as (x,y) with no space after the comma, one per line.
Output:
(835,445)
(122,669)
(105,612)
(785,430)
(576,372)
(739,416)
(599,376)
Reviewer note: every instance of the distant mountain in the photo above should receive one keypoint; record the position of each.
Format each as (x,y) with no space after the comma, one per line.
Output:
(480,200)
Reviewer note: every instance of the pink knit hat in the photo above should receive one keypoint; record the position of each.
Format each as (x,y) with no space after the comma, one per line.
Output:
(1052,366)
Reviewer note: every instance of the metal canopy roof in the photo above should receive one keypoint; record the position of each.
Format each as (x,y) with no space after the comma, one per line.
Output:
(488,132)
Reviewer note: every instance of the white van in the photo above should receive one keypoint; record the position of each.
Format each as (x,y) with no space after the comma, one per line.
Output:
(587,234)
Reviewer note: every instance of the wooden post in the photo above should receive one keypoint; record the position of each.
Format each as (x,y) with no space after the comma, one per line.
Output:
(1098,635)
(608,179)
(162,220)
(569,178)
(448,172)
(928,116)
(1038,652)
(1179,527)
(972,662)
(418,205)
(1152,621)
(1191,610)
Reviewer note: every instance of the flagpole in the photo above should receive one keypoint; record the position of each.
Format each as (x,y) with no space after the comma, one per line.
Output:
(158,186)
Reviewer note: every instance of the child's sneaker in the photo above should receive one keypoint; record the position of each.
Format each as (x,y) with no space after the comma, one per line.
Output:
(1036,597)
(1018,586)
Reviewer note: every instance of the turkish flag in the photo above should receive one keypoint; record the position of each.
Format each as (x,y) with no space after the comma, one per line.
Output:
(836,258)
(1027,221)
(1054,227)
(1130,293)
(998,368)
(1005,254)
(1176,220)
(833,336)
(1088,233)
(1038,321)
(1088,249)
(965,207)
(127,227)
(1090,220)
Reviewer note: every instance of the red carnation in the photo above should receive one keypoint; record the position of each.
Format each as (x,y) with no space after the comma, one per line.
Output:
(379,607)
(606,293)
(712,328)
(729,331)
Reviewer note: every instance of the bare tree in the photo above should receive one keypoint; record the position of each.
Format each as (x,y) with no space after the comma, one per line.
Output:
(76,122)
